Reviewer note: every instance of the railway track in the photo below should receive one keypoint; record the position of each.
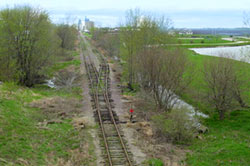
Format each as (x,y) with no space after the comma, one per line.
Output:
(114,148)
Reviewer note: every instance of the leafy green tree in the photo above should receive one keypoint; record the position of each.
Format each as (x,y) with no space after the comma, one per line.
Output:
(140,32)
(27,42)
(129,42)
(68,36)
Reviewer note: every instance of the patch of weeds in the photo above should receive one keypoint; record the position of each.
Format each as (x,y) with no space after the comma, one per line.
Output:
(175,126)
(75,54)
(77,92)
(154,162)
(127,91)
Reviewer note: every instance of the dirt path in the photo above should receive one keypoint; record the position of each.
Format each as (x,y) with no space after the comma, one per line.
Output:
(122,109)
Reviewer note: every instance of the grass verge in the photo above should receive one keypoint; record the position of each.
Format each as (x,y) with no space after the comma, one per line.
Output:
(24,141)
(226,144)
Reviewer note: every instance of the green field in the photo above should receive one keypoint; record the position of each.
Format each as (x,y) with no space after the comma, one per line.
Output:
(202,40)
(195,95)
(228,142)
(197,41)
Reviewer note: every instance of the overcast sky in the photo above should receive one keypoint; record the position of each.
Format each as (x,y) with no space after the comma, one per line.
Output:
(184,13)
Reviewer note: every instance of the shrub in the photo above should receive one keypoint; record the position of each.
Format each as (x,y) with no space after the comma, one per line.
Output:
(176,126)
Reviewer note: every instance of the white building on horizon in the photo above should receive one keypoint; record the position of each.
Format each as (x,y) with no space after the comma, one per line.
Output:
(88,25)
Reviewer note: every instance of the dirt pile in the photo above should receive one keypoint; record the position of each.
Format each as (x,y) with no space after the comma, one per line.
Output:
(143,127)
(80,122)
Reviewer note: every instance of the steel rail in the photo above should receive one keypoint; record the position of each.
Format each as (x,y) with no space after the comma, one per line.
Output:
(98,111)
(105,92)
(112,117)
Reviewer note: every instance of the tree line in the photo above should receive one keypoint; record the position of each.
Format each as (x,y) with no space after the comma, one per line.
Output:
(149,64)
(165,71)
(28,42)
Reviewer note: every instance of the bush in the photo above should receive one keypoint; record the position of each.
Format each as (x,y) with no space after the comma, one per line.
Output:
(26,46)
(176,126)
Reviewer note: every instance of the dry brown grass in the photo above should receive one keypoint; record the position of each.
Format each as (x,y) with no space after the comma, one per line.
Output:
(58,107)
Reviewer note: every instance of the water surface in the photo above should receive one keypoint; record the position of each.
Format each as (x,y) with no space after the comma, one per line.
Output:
(241,53)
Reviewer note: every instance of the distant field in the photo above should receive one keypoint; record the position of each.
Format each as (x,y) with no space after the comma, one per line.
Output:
(202,40)
(197,41)
(197,85)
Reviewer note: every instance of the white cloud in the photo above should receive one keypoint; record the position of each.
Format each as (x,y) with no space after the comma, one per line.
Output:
(188,13)
(144,4)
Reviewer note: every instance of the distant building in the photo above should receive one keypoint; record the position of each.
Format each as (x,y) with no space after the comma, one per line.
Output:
(88,25)
(186,32)
(85,25)
(80,26)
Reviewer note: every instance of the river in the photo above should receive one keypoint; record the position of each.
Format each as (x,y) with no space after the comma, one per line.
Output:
(241,53)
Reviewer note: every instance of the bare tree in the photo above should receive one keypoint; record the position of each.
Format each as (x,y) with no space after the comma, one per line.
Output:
(107,41)
(246,19)
(161,72)
(224,84)
(111,44)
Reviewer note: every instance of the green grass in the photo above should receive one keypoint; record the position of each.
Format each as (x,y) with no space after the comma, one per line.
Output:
(72,59)
(206,45)
(196,92)
(205,40)
(63,65)
(87,34)
(226,144)
(154,162)
(208,41)
(20,137)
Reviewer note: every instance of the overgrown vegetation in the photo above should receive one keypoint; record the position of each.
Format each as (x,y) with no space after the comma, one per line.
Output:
(29,44)
(175,126)
(37,123)
(68,36)
(106,40)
